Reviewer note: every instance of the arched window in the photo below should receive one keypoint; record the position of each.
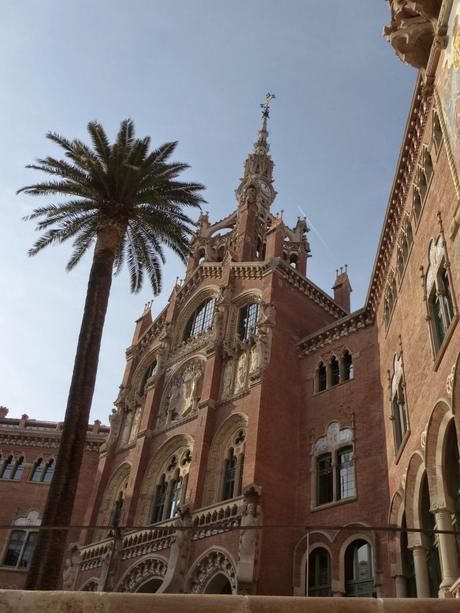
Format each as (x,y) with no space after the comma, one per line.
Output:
(325,479)
(347,366)
(201,320)
(422,185)
(159,501)
(451,466)
(427,166)
(399,415)
(149,371)
(49,471)
(7,467)
(319,573)
(334,465)
(359,577)
(407,561)
(293,260)
(171,487)
(335,371)
(247,322)
(321,377)
(18,469)
(229,476)
(37,470)
(42,472)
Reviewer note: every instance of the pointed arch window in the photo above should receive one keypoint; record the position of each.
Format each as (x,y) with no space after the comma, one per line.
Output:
(345,473)
(149,371)
(319,573)
(229,475)
(201,320)
(359,576)
(49,471)
(347,363)
(399,414)
(321,377)
(159,502)
(335,371)
(37,470)
(7,468)
(18,469)
(248,317)
(437,131)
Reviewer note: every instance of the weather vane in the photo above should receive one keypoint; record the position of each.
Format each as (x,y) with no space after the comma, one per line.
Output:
(265,106)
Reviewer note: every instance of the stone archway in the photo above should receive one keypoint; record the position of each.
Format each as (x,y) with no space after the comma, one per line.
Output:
(219,584)
(204,573)
(144,576)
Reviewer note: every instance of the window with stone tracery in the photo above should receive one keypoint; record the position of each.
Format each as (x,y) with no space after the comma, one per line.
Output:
(439,296)
(148,372)
(21,542)
(202,319)
(389,299)
(233,468)
(334,466)
(437,131)
(339,370)
(247,320)
(171,486)
(42,471)
(422,182)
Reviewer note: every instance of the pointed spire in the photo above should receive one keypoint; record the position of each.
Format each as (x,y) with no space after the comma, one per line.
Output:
(261,146)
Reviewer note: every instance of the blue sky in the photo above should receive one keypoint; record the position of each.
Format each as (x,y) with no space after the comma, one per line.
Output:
(193,71)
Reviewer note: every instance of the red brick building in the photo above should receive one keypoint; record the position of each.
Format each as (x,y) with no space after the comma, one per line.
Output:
(255,399)
(28,451)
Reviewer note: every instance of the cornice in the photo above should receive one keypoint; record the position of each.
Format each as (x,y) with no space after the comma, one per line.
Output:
(406,166)
(335,331)
(22,438)
(207,270)
(307,287)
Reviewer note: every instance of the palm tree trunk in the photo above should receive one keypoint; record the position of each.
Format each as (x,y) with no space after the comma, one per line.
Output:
(46,564)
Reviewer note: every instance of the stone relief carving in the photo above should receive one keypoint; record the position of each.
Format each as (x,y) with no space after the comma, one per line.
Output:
(241,373)
(227,379)
(412,28)
(335,435)
(148,569)
(214,562)
(398,373)
(436,255)
(178,563)
(182,393)
(71,568)
(450,381)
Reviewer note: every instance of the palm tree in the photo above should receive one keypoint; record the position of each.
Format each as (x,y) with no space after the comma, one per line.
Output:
(125,201)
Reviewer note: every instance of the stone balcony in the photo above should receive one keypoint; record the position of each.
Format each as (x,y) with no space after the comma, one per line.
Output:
(206,522)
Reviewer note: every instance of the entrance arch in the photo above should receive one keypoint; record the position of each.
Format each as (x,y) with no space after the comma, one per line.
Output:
(219,584)
(150,587)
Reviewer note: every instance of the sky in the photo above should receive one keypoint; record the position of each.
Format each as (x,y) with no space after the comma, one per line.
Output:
(194,71)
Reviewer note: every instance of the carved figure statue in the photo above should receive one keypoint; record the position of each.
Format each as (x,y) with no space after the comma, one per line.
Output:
(249,538)
(255,357)
(250,196)
(240,382)
(227,380)
(184,391)
(135,424)
(71,567)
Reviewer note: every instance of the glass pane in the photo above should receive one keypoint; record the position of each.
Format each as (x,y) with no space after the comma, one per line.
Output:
(335,372)
(229,477)
(8,467)
(49,472)
(14,548)
(319,574)
(175,497)
(249,315)
(37,471)
(325,479)
(346,474)
(158,506)
(28,550)
(19,469)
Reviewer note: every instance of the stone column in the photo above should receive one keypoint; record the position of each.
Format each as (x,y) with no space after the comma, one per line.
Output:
(422,579)
(400,586)
(447,549)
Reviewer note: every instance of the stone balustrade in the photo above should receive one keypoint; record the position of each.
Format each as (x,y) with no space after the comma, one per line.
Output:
(217,518)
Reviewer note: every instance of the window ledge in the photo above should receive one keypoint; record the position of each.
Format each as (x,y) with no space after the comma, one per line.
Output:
(440,352)
(37,482)
(333,387)
(13,569)
(335,503)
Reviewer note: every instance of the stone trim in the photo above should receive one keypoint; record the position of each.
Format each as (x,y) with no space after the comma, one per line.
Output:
(335,331)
